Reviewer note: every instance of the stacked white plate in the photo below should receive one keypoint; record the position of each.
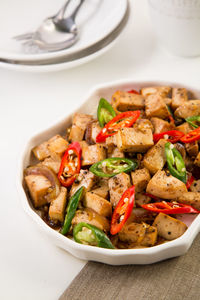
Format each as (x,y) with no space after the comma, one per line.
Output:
(99,21)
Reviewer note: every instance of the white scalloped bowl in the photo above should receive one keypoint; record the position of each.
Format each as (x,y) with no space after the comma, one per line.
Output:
(119,256)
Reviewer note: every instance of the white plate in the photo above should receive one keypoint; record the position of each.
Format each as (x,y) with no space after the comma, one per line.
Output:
(96,19)
(118,256)
(57,66)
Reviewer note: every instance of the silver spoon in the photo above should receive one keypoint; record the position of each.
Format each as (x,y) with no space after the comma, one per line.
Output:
(55,33)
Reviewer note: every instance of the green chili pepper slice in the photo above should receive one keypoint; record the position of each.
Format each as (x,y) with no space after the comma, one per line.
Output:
(175,162)
(71,209)
(88,234)
(110,167)
(191,119)
(105,112)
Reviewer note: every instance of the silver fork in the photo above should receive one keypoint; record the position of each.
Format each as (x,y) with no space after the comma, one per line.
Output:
(55,33)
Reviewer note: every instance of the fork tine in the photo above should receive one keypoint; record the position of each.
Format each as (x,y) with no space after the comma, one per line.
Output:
(24,36)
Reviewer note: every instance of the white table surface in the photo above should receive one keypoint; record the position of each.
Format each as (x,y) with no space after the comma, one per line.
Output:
(30,266)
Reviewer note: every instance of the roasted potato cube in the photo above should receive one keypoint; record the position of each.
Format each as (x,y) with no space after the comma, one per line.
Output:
(88,215)
(161,125)
(155,158)
(117,186)
(140,179)
(101,189)
(93,154)
(163,91)
(143,124)
(134,140)
(188,109)
(56,145)
(179,97)
(139,234)
(169,228)
(57,206)
(124,101)
(141,199)
(155,106)
(150,237)
(191,198)
(76,134)
(166,187)
(100,205)
(192,148)
(79,125)
(185,128)
(38,186)
(86,179)
(115,153)
(197,160)
(195,186)
(92,130)
(53,163)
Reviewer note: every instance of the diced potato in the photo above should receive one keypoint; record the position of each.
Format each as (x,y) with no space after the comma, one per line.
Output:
(150,237)
(93,154)
(155,106)
(115,153)
(86,179)
(192,148)
(169,228)
(185,128)
(57,206)
(195,186)
(111,140)
(141,199)
(179,96)
(79,125)
(197,160)
(81,120)
(161,125)
(88,215)
(163,91)
(124,101)
(101,189)
(134,140)
(55,145)
(191,198)
(140,179)
(143,124)
(139,234)
(155,158)
(92,130)
(53,163)
(76,134)
(188,109)
(117,186)
(98,204)
(166,187)
(38,186)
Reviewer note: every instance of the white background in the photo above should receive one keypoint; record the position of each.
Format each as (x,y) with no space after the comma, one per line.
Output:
(30,266)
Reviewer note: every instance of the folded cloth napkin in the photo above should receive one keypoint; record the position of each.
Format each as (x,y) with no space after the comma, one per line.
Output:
(173,279)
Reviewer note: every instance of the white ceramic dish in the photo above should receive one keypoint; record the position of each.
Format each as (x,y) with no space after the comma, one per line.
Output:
(114,257)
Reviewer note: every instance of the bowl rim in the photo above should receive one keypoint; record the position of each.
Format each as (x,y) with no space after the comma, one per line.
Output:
(185,240)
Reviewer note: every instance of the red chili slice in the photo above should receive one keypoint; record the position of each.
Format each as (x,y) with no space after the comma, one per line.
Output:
(133,92)
(190,182)
(123,210)
(172,136)
(170,208)
(125,119)
(192,136)
(70,164)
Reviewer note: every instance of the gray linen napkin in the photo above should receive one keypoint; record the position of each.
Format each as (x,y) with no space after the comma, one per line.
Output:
(173,279)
